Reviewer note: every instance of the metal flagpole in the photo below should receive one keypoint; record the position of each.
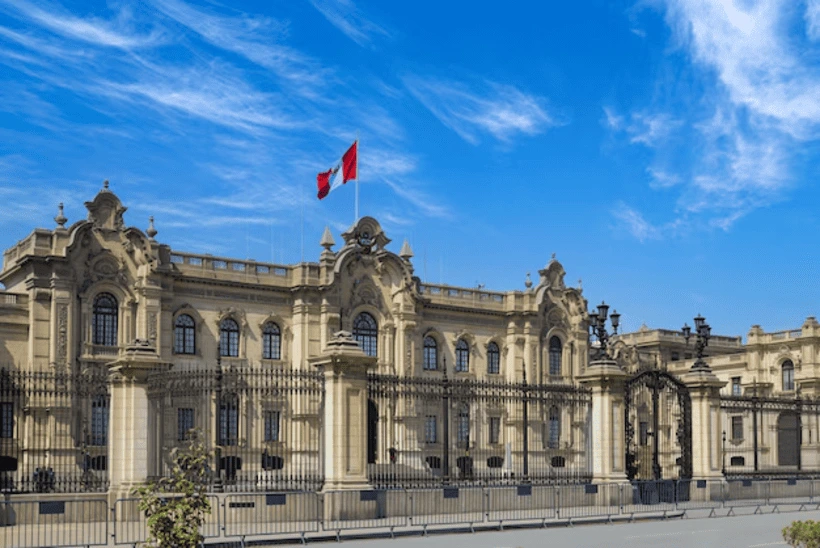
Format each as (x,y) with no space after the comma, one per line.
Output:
(356,212)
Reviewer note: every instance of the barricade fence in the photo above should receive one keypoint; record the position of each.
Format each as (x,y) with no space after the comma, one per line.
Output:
(257,516)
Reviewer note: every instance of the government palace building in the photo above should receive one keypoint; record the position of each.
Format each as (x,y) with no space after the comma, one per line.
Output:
(351,372)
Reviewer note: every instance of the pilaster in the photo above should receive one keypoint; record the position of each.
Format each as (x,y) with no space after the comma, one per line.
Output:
(606,432)
(345,368)
(704,391)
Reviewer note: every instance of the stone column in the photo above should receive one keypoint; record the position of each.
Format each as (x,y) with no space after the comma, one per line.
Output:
(129,443)
(345,367)
(704,389)
(606,430)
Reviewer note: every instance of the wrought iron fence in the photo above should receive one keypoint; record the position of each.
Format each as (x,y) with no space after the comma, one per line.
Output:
(263,425)
(425,432)
(53,431)
(770,436)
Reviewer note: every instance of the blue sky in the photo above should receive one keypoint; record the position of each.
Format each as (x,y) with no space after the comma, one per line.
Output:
(666,150)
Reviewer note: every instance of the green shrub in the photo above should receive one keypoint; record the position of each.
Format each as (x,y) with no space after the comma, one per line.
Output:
(803,534)
(176,506)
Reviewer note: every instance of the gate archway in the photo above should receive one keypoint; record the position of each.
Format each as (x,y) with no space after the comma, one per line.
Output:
(658,423)
(788,439)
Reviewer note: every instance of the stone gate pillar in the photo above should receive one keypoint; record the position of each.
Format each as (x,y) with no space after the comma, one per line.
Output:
(606,432)
(344,434)
(704,390)
(129,443)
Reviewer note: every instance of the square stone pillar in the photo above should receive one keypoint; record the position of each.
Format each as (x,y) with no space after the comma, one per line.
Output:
(606,379)
(704,391)
(129,442)
(344,434)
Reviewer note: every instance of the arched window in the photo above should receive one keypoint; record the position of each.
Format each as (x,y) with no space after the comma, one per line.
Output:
(788,375)
(229,420)
(184,336)
(430,354)
(366,332)
(464,423)
(462,356)
(555,356)
(554,428)
(271,342)
(104,320)
(493,359)
(229,338)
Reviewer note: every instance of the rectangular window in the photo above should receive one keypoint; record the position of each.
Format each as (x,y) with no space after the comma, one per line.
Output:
(229,421)
(675,356)
(272,425)
(185,422)
(495,429)
(463,428)
(737,428)
(643,432)
(736,388)
(431,429)
(6,420)
(99,421)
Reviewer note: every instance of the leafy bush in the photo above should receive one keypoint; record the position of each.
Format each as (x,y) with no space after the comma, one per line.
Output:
(176,506)
(803,534)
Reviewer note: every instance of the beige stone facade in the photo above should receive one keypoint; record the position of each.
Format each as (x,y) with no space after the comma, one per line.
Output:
(102,297)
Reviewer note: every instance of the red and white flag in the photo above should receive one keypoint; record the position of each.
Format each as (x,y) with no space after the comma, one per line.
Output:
(346,170)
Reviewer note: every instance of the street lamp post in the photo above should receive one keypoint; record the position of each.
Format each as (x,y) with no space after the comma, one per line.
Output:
(597,327)
(703,332)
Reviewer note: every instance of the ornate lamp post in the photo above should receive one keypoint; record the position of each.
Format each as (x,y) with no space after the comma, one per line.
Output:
(703,331)
(597,327)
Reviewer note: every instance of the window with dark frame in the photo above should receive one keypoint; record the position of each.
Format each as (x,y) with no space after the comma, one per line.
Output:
(464,424)
(6,420)
(104,320)
(229,338)
(430,354)
(737,428)
(554,439)
(185,422)
(462,356)
(555,353)
(736,388)
(272,425)
(99,420)
(495,430)
(788,375)
(431,429)
(229,420)
(675,356)
(184,335)
(366,333)
(271,342)
(493,359)
(643,433)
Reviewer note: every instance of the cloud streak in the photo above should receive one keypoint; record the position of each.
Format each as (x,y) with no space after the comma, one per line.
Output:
(345,16)
(500,110)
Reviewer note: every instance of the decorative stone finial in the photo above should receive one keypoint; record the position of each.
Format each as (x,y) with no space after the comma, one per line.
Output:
(406,252)
(327,240)
(580,284)
(528,281)
(105,184)
(151,230)
(60,219)
(553,256)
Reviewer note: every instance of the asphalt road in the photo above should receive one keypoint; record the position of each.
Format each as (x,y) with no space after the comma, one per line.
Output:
(750,531)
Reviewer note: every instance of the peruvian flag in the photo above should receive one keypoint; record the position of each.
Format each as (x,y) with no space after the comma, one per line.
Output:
(346,170)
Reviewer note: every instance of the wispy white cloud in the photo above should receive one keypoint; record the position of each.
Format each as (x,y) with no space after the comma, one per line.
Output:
(501,110)
(761,98)
(635,223)
(117,33)
(612,119)
(254,38)
(345,16)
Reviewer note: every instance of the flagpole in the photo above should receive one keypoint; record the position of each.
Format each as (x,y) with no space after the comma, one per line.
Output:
(356,211)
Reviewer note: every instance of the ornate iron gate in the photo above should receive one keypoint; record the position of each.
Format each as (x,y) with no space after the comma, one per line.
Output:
(658,417)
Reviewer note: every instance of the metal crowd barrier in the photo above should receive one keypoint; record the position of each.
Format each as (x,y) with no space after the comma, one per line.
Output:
(271,514)
(62,522)
(54,523)
(131,525)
